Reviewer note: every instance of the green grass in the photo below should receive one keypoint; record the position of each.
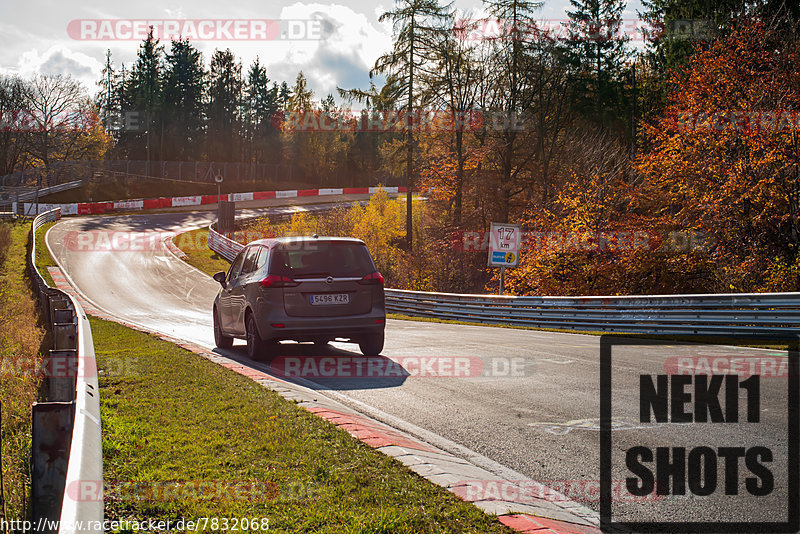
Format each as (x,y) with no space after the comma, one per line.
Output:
(21,344)
(195,245)
(43,260)
(170,415)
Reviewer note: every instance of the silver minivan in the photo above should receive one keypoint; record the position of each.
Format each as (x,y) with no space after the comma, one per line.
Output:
(302,289)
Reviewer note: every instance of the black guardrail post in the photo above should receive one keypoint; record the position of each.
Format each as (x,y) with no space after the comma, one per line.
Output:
(51,437)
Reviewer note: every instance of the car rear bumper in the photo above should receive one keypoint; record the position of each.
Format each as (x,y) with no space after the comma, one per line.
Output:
(311,328)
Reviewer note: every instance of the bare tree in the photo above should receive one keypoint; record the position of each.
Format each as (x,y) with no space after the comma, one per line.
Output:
(453,86)
(60,115)
(516,16)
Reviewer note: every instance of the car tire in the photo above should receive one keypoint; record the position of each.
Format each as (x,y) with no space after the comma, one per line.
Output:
(371,345)
(257,348)
(221,340)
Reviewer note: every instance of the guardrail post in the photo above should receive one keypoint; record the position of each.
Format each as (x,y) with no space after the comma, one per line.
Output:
(64,335)
(51,436)
(62,369)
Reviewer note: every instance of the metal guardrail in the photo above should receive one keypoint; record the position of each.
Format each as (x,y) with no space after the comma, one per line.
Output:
(228,248)
(67,456)
(224,246)
(21,195)
(745,314)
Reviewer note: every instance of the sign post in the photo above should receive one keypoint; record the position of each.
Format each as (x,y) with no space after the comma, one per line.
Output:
(218,179)
(504,244)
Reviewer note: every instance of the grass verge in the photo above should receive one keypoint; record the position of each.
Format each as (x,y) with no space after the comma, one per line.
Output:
(195,245)
(172,419)
(43,260)
(21,338)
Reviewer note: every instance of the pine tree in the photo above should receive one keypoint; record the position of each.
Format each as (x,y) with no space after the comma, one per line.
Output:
(184,87)
(107,102)
(283,96)
(510,87)
(416,23)
(301,99)
(224,106)
(144,95)
(261,104)
(596,51)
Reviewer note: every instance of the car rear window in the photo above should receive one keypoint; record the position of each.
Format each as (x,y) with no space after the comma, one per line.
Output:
(324,258)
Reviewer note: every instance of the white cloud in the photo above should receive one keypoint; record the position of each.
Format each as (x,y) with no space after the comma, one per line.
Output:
(59,59)
(348,45)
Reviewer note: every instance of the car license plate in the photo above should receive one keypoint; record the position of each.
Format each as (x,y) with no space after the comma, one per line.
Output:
(330,298)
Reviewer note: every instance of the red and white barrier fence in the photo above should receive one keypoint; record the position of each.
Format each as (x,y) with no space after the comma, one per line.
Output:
(94,208)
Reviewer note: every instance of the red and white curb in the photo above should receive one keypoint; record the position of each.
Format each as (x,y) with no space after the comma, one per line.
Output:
(172,247)
(97,208)
(533,515)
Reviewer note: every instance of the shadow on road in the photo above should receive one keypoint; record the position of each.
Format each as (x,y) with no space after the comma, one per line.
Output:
(325,367)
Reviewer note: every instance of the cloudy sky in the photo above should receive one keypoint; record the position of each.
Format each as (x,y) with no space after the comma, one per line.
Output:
(332,43)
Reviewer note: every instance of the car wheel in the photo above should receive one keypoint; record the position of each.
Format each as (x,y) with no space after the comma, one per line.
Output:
(221,340)
(257,348)
(371,345)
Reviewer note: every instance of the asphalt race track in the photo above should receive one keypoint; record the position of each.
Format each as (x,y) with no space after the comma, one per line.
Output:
(528,400)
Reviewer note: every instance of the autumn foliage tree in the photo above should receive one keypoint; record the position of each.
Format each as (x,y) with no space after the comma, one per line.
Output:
(712,203)
(724,159)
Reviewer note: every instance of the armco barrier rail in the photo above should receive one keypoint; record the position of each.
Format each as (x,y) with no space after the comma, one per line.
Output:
(67,487)
(229,248)
(21,195)
(224,246)
(755,314)
(743,314)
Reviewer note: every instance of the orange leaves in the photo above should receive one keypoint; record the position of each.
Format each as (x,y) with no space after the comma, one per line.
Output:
(724,158)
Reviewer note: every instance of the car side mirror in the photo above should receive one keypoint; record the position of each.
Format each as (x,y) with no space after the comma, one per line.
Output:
(220,277)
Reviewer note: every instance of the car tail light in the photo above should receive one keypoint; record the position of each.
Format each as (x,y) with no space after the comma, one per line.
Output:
(374,278)
(274,280)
